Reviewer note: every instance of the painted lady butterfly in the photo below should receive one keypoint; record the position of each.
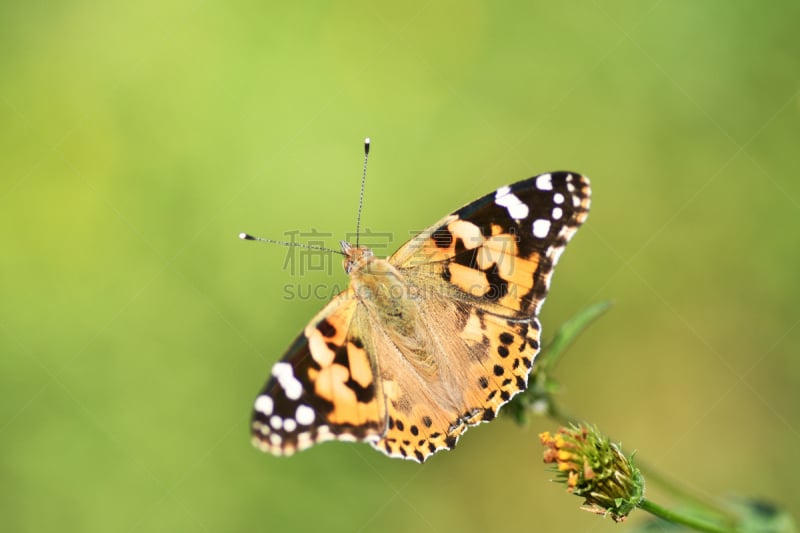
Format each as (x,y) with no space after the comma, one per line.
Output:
(432,340)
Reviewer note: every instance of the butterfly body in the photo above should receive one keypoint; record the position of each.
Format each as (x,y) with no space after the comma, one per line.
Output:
(431,340)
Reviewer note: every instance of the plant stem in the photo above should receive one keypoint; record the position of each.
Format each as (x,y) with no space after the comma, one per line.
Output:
(680,492)
(686,520)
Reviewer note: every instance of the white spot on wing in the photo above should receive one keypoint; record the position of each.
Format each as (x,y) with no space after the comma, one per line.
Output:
(289,425)
(304,415)
(541,227)
(558,198)
(284,373)
(544,182)
(303,440)
(502,191)
(264,405)
(276,422)
(293,390)
(557,213)
(516,209)
(282,368)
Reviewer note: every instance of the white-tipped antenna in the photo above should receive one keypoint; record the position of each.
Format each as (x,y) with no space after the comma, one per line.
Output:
(361,196)
(248,237)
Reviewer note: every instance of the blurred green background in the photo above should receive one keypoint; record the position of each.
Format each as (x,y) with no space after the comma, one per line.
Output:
(138,139)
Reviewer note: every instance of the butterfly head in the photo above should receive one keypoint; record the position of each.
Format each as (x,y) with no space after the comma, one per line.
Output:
(355,256)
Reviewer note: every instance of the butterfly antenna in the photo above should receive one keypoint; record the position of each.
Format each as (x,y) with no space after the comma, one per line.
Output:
(361,196)
(248,237)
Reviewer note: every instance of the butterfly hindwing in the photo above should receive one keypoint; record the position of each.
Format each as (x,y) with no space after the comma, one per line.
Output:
(324,388)
(494,357)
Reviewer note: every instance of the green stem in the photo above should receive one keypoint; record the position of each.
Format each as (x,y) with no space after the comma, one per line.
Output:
(686,520)
(699,500)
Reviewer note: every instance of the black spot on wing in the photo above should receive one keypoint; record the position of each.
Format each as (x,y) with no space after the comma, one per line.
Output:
(446,273)
(340,355)
(442,237)
(463,255)
(363,394)
(498,287)
(326,328)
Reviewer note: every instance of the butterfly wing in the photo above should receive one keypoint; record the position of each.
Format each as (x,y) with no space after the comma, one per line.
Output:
(501,248)
(324,388)
(482,274)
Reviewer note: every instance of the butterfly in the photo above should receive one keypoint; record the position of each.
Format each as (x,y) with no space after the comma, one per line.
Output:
(432,340)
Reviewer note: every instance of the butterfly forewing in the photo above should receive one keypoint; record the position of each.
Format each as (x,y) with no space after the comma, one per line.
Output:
(324,388)
(502,247)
